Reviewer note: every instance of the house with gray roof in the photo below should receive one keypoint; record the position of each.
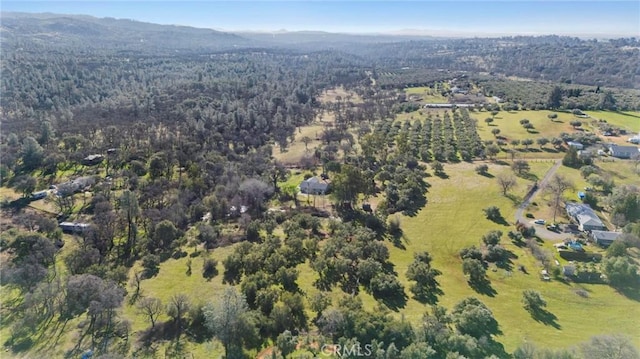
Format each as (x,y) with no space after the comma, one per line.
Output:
(584,216)
(604,238)
(314,185)
(623,151)
(576,145)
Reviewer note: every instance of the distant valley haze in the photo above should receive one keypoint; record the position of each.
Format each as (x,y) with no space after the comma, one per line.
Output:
(586,19)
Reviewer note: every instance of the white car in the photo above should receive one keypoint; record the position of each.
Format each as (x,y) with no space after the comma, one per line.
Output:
(539,221)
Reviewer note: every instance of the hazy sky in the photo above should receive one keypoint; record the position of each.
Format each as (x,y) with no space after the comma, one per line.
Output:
(614,18)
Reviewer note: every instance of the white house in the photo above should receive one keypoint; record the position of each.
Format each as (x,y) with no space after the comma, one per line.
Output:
(314,185)
(74,227)
(576,145)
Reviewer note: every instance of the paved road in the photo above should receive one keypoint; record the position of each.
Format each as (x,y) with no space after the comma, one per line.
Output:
(541,230)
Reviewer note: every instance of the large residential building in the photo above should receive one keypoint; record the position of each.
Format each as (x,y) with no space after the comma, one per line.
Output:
(623,151)
(584,216)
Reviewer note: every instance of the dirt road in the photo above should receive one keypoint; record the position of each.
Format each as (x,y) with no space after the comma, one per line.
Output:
(541,230)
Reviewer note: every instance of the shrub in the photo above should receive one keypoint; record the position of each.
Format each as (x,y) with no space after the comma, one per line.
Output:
(492,213)
(482,169)
(209,268)
(151,265)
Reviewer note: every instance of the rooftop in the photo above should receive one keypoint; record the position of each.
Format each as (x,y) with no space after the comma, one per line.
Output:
(605,235)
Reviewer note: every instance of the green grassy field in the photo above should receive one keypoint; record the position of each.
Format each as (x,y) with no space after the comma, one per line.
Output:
(173,279)
(427,94)
(629,120)
(510,127)
(297,149)
(451,220)
(437,229)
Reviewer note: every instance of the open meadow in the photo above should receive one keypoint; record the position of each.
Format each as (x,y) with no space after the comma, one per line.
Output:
(454,219)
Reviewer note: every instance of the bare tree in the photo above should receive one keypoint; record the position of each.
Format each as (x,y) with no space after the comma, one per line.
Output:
(178,306)
(506,182)
(306,140)
(135,282)
(556,187)
(151,307)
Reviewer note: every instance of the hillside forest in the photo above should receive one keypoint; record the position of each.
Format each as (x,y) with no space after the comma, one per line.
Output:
(151,203)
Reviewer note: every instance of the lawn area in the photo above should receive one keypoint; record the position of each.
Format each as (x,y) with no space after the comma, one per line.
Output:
(510,127)
(173,279)
(427,94)
(629,120)
(339,94)
(8,194)
(435,230)
(297,149)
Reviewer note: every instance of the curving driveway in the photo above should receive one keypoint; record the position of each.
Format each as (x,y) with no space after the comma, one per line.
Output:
(541,230)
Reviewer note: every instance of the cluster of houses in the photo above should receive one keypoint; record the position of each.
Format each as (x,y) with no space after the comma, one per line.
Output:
(613,150)
(588,221)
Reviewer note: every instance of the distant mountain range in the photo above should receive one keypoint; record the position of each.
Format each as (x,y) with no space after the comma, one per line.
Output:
(60,30)
(92,32)
(552,58)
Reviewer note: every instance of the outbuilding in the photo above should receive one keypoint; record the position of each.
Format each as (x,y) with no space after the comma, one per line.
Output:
(604,238)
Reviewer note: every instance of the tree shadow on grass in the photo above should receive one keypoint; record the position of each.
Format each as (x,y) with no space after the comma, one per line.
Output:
(545,317)
(416,205)
(161,331)
(496,349)
(500,221)
(18,345)
(626,114)
(528,176)
(483,287)
(632,293)
(487,174)
(442,175)
(507,262)
(517,200)
(430,297)
(394,302)
(399,241)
